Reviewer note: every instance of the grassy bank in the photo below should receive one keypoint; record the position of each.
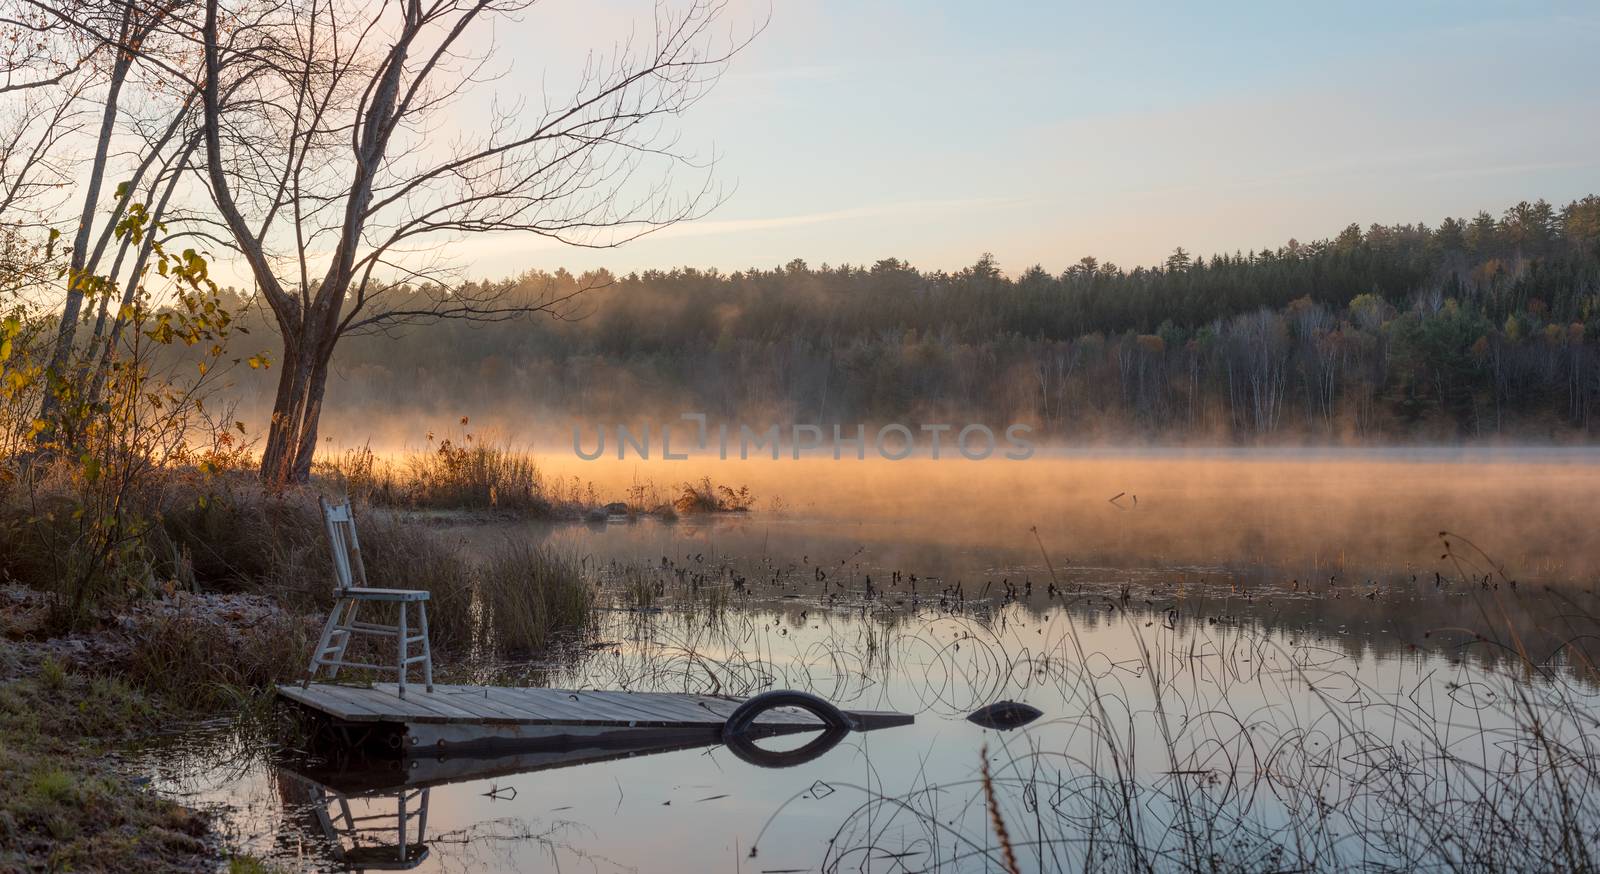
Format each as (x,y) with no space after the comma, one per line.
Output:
(71,699)
(195,600)
(211,535)
(140,589)
(68,806)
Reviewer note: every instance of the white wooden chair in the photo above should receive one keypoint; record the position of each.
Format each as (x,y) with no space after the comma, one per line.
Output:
(350,592)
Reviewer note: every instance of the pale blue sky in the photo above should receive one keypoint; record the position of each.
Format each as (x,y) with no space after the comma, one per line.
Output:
(1043,132)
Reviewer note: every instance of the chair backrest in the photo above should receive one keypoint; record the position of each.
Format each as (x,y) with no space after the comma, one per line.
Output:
(348,571)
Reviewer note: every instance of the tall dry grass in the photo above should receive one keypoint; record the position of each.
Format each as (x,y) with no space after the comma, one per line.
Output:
(518,598)
(525,598)
(200,664)
(232,536)
(476,476)
(703,496)
(469,475)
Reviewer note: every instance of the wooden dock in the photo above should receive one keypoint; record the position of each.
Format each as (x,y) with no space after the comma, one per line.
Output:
(452,718)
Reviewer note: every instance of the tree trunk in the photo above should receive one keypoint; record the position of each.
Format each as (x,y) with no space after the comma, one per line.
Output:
(77,280)
(310,420)
(283,431)
(297,410)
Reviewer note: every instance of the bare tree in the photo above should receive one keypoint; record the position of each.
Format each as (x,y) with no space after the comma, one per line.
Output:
(87,55)
(32,128)
(32,42)
(325,156)
(1258,368)
(39,112)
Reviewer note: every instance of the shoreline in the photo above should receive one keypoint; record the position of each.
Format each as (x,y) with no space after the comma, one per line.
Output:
(70,704)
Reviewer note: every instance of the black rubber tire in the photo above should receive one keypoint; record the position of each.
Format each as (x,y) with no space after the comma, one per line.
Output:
(745,750)
(744,717)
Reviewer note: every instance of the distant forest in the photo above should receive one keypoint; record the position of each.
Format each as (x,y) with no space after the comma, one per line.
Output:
(1477,329)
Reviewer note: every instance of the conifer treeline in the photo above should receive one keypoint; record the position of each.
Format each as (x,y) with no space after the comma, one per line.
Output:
(1475,329)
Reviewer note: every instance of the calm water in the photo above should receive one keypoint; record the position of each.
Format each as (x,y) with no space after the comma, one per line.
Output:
(1254,632)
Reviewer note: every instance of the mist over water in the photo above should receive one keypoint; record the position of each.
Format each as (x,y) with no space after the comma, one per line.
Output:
(1298,512)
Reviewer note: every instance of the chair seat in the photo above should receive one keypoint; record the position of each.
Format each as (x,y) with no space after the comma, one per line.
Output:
(365,594)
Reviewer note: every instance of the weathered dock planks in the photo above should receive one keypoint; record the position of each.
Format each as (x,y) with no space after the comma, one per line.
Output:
(453,717)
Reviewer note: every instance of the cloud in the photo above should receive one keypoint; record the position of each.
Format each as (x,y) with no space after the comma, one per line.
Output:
(1512,169)
(707,227)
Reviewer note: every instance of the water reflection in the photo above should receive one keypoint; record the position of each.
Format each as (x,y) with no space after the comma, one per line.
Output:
(369,831)
(1264,697)
(362,810)
(1261,719)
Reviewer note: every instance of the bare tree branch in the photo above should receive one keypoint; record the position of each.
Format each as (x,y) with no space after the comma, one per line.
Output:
(324,164)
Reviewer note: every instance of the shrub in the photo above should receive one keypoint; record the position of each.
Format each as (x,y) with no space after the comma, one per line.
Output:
(197,663)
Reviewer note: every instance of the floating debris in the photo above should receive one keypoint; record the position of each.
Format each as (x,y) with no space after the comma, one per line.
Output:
(1004,715)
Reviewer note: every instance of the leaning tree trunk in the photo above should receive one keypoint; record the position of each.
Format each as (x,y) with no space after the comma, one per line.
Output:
(78,281)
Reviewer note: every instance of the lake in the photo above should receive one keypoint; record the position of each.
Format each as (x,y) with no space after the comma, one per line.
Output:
(1272,657)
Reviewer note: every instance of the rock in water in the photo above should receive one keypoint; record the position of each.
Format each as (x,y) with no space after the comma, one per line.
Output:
(1004,715)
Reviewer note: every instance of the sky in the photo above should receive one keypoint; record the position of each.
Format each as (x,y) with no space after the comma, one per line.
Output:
(936,130)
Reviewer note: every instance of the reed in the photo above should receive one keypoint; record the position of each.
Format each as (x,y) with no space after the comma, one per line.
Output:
(475,476)
(1204,747)
(703,496)
(200,665)
(1007,854)
(465,475)
(525,598)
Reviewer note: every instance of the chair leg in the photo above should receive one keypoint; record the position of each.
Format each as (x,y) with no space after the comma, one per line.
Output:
(427,646)
(422,817)
(402,834)
(322,644)
(348,624)
(401,683)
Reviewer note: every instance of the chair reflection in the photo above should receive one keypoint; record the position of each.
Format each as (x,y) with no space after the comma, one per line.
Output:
(383,830)
(372,810)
